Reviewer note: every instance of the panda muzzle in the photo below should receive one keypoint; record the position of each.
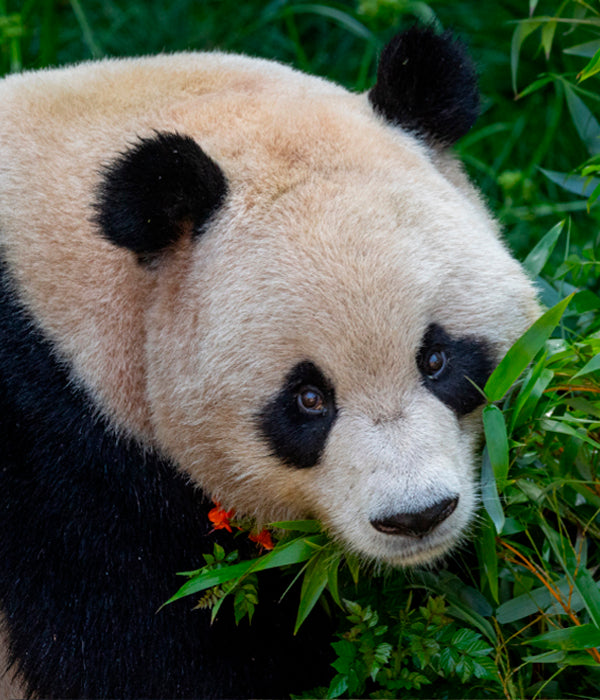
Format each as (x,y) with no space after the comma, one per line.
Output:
(417,523)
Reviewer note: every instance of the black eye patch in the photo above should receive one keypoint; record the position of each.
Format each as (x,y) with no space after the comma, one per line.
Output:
(296,421)
(445,363)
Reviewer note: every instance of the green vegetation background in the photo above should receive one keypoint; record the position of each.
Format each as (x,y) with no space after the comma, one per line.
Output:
(517,613)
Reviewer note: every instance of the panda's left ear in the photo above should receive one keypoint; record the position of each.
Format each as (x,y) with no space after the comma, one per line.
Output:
(161,188)
(427,84)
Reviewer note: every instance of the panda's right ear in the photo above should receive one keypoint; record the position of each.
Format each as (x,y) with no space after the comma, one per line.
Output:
(154,192)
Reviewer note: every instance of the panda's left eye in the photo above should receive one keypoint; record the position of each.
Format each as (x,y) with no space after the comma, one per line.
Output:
(435,363)
(310,401)
(453,367)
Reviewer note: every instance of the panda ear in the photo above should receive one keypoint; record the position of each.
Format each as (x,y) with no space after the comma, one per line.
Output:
(159,189)
(427,84)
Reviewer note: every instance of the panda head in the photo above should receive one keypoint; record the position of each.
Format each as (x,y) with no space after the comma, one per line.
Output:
(324,294)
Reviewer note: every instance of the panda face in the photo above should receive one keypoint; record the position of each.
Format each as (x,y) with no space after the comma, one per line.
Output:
(343,340)
(279,285)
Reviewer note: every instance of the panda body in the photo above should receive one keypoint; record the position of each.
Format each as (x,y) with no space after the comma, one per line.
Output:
(224,278)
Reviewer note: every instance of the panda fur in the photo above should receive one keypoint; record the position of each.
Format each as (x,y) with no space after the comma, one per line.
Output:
(222,278)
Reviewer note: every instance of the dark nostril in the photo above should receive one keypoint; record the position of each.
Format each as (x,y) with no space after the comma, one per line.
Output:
(417,523)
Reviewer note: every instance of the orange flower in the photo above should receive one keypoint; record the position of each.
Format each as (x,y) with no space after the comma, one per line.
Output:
(220,518)
(262,539)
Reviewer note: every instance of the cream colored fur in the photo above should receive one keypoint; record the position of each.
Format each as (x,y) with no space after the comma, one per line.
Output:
(341,240)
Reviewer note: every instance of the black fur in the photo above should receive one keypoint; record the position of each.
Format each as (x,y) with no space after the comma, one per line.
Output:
(91,535)
(156,191)
(427,84)
(466,357)
(298,439)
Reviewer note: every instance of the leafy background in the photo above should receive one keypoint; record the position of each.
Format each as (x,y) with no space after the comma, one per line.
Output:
(516,613)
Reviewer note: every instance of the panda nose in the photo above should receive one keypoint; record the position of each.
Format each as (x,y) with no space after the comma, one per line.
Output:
(417,523)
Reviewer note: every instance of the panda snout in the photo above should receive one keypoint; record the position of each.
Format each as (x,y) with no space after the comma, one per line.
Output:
(417,523)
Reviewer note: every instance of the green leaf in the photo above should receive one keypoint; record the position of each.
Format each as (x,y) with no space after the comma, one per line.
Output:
(538,599)
(332,579)
(586,50)
(523,352)
(548,32)
(315,579)
(353,564)
(577,573)
(338,686)
(564,428)
(562,658)
(592,366)
(535,86)
(489,493)
(522,31)
(531,393)
(497,443)
(536,260)
(486,550)
(581,637)
(583,186)
(586,124)
(592,67)
(294,552)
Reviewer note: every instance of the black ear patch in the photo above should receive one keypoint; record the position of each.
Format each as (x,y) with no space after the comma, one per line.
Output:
(160,188)
(427,83)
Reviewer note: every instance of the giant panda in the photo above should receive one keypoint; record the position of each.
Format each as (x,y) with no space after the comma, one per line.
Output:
(225,279)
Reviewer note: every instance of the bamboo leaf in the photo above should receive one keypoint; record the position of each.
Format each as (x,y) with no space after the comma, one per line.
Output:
(497,443)
(586,124)
(535,86)
(591,68)
(548,32)
(486,546)
(522,31)
(538,599)
(489,493)
(577,573)
(577,184)
(592,366)
(581,637)
(586,50)
(523,352)
(536,260)
(315,579)
(294,552)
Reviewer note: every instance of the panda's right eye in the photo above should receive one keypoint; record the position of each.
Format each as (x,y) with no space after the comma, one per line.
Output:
(453,367)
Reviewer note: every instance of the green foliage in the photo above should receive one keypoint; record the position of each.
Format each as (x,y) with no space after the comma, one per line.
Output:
(415,648)
(516,614)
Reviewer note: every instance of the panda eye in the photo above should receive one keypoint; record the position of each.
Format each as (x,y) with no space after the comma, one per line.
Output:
(310,401)
(296,421)
(435,363)
(452,367)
